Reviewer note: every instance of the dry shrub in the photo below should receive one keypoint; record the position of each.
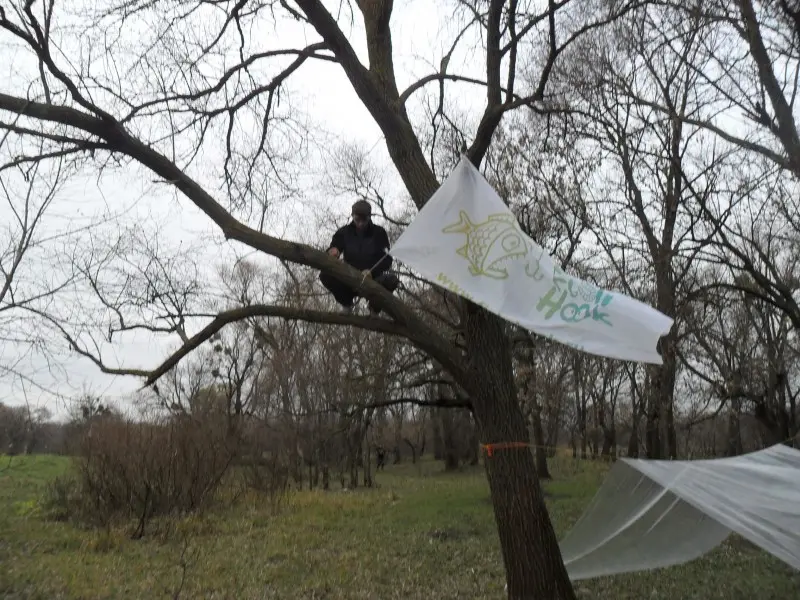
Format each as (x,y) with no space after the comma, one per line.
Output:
(128,470)
(264,466)
(267,475)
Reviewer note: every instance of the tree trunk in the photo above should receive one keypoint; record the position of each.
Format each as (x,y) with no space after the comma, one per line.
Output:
(633,441)
(553,435)
(354,459)
(573,442)
(366,464)
(438,442)
(609,443)
(734,430)
(633,444)
(326,478)
(652,427)
(413,450)
(774,421)
(520,512)
(664,375)
(353,475)
(448,439)
(582,422)
(603,429)
(398,438)
(669,423)
(584,454)
(665,386)
(472,451)
(539,442)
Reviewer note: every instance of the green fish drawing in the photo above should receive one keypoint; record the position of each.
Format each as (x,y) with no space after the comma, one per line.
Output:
(491,244)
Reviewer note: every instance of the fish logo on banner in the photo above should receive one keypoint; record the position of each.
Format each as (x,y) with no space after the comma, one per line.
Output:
(492,243)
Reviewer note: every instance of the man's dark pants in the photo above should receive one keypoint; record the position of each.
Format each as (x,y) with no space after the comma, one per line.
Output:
(344,294)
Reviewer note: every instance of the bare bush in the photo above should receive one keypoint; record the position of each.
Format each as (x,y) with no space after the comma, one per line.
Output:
(264,469)
(131,470)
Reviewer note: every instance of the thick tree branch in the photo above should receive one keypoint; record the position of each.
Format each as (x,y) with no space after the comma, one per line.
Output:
(284,312)
(302,55)
(786,128)
(420,83)
(220,321)
(379,96)
(781,161)
(493,113)
(119,140)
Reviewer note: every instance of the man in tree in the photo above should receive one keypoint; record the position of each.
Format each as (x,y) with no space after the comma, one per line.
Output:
(365,246)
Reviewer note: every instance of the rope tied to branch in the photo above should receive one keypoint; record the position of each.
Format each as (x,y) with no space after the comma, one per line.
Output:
(372,268)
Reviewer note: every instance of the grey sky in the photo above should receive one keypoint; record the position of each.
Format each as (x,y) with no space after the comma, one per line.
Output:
(319,95)
(319,92)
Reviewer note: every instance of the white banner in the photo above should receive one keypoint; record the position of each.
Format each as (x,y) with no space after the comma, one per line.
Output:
(466,240)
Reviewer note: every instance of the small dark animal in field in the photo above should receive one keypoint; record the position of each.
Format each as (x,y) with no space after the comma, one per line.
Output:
(380,457)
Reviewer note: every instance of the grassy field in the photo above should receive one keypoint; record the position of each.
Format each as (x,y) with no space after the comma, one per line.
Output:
(421,534)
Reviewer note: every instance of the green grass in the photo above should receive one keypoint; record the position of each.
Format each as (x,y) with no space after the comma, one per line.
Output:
(421,534)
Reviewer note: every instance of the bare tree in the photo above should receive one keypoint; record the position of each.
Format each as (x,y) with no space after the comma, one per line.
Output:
(748,63)
(662,174)
(605,393)
(747,70)
(35,252)
(746,354)
(78,108)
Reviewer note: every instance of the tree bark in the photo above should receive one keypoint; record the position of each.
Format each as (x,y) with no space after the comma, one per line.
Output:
(652,427)
(539,442)
(734,429)
(783,125)
(366,463)
(608,432)
(438,442)
(326,478)
(398,419)
(553,431)
(411,445)
(520,512)
(609,450)
(471,454)
(664,388)
(448,439)
(633,441)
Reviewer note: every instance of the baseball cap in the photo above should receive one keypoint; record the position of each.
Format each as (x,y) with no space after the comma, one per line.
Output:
(362,208)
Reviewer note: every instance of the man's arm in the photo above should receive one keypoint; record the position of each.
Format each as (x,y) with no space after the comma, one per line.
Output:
(337,243)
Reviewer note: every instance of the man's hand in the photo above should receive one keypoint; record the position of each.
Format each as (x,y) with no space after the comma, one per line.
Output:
(334,252)
(366,273)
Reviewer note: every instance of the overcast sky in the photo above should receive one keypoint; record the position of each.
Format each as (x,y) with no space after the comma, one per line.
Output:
(134,206)
(422,31)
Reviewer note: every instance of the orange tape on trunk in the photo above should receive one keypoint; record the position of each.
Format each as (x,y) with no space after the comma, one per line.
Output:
(490,448)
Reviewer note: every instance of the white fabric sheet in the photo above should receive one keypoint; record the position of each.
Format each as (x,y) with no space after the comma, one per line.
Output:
(465,239)
(657,513)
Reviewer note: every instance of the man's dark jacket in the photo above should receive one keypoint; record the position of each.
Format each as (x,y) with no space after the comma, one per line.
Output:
(364,249)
